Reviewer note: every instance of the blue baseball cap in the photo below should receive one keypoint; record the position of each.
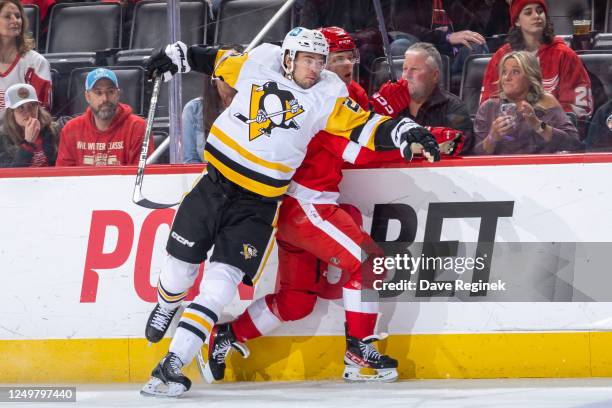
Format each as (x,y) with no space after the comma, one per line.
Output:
(97,74)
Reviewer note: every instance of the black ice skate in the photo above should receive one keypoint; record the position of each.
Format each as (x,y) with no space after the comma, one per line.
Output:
(167,379)
(158,323)
(222,340)
(362,354)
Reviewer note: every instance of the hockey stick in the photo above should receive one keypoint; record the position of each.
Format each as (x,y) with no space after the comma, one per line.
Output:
(137,197)
(385,38)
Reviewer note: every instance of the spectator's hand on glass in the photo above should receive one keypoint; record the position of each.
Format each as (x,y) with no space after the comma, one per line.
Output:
(502,126)
(467,38)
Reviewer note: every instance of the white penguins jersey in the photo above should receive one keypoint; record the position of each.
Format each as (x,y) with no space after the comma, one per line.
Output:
(260,140)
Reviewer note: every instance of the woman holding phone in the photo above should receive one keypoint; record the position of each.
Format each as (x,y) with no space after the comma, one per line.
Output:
(524,119)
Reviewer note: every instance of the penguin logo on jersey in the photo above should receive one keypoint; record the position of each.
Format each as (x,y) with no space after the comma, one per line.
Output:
(248,251)
(270,108)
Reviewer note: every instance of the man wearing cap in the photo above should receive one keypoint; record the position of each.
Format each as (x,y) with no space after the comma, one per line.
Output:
(108,133)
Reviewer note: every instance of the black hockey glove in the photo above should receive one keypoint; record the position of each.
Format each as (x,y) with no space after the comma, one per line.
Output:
(421,136)
(167,61)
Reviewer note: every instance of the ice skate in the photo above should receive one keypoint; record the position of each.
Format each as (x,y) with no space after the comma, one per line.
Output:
(222,340)
(361,354)
(167,379)
(158,323)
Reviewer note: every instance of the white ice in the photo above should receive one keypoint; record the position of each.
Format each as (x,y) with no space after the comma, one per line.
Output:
(523,393)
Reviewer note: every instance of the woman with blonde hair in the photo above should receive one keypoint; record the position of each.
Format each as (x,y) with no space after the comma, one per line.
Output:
(19,63)
(30,138)
(524,119)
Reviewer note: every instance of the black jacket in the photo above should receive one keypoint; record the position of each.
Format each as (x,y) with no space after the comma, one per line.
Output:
(442,108)
(21,156)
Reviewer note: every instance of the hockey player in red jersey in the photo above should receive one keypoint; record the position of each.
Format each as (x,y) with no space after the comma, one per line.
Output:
(563,74)
(312,227)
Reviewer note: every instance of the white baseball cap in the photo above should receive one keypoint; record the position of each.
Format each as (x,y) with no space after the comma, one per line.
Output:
(18,94)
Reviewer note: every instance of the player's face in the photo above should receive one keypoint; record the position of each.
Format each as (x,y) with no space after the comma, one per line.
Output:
(342,63)
(307,68)
(532,19)
(10,21)
(103,98)
(421,77)
(24,112)
(514,82)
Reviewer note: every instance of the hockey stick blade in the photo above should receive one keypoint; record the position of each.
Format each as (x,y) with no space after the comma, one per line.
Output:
(137,197)
(143,202)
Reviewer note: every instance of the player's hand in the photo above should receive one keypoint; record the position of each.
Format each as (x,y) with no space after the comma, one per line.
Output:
(391,98)
(168,61)
(420,136)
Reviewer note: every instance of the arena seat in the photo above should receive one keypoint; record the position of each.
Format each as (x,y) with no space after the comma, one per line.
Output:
(131,82)
(192,86)
(250,16)
(150,24)
(380,72)
(150,28)
(563,13)
(84,27)
(471,80)
(32,15)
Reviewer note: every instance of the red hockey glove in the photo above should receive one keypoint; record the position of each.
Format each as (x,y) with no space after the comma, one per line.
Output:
(450,140)
(391,98)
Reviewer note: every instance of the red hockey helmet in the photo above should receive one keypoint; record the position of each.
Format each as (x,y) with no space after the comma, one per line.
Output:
(338,39)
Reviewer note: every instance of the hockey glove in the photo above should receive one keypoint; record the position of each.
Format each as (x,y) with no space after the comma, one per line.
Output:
(168,61)
(449,140)
(419,136)
(391,98)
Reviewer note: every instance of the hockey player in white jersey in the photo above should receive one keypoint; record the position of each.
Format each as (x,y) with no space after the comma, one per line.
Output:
(284,97)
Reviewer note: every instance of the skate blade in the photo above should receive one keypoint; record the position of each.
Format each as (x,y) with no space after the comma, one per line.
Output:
(156,388)
(354,375)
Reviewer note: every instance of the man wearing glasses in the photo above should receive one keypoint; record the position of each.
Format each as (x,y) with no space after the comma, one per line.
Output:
(108,133)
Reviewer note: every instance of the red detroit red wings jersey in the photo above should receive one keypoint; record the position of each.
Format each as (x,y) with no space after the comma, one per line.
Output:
(317,179)
(563,75)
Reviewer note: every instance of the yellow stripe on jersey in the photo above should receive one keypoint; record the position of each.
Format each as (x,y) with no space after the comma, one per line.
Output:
(232,144)
(198,319)
(245,182)
(228,66)
(347,116)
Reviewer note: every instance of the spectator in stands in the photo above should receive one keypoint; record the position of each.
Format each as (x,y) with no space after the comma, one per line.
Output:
(600,130)
(31,135)
(199,116)
(455,27)
(19,63)
(524,119)
(108,133)
(563,73)
(430,105)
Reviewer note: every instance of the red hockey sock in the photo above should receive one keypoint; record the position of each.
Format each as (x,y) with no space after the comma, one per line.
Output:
(359,324)
(244,329)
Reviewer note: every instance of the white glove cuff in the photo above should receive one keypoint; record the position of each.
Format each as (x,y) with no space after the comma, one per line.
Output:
(177,52)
